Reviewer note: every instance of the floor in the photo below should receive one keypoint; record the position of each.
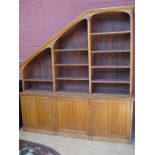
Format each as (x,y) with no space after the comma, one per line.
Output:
(72,146)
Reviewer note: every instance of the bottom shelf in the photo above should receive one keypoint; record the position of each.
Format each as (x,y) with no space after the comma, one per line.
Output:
(71,91)
(67,86)
(38,86)
(110,88)
(72,86)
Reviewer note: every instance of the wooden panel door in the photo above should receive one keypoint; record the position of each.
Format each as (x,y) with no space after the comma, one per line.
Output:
(80,115)
(121,116)
(101,118)
(111,118)
(64,122)
(29,111)
(44,110)
(72,115)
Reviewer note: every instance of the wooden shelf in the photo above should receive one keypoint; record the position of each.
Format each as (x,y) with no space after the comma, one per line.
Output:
(38,80)
(110,66)
(72,86)
(110,33)
(38,90)
(111,88)
(71,78)
(72,91)
(71,64)
(110,81)
(70,50)
(111,51)
(125,93)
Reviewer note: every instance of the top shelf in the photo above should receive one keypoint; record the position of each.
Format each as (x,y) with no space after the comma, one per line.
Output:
(68,50)
(110,33)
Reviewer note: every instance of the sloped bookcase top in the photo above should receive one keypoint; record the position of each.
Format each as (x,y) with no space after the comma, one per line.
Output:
(92,55)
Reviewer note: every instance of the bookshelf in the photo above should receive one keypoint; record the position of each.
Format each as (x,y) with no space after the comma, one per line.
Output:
(82,79)
(109,52)
(38,73)
(71,60)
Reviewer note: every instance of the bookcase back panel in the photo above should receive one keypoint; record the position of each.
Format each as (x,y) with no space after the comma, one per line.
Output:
(72,71)
(111,42)
(111,59)
(71,57)
(38,86)
(40,66)
(72,86)
(111,22)
(111,74)
(108,88)
(74,38)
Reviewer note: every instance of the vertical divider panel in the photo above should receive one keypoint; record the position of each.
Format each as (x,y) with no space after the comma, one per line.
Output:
(89,53)
(131,51)
(53,68)
(131,121)
(23,84)
(92,110)
(54,114)
(90,118)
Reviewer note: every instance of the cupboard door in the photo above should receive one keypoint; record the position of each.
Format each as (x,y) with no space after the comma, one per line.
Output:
(80,116)
(120,123)
(72,115)
(101,118)
(29,111)
(111,118)
(44,110)
(64,115)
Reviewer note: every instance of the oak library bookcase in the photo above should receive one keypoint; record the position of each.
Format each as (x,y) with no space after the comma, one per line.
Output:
(80,83)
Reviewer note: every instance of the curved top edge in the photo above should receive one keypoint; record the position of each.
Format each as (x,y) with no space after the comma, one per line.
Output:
(82,16)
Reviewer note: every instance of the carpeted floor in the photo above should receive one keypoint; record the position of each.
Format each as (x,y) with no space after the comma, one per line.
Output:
(31,148)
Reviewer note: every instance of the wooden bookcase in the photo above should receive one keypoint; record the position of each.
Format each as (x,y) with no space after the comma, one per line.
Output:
(71,60)
(90,63)
(110,52)
(38,73)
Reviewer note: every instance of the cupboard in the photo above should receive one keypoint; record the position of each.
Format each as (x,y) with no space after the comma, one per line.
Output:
(80,83)
(111,118)
(37,112)
(72,116)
